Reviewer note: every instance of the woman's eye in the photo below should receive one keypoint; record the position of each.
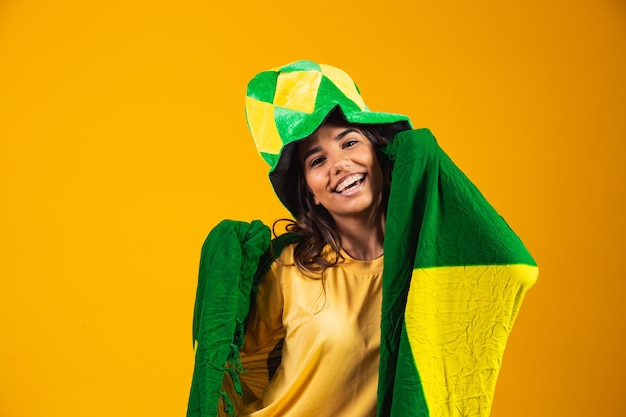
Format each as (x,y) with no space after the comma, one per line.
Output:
(349,143)
(317,161)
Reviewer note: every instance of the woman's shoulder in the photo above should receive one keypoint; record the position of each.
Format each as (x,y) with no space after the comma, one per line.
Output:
(282,248)
(286,256)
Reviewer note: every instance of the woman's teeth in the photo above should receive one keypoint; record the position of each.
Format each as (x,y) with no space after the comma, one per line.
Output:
(349,181)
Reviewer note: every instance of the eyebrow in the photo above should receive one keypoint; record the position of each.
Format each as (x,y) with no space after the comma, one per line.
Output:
(337,138)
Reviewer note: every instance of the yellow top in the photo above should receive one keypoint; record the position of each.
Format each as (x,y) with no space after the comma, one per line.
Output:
(331,331)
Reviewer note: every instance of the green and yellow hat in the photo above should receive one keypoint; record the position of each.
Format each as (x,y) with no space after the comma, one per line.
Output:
(287,104)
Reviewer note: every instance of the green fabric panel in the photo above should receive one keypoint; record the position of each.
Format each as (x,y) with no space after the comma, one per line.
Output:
(328,95)
(408,394)
(263,86)
(293,125)
(301,66)
(454,222)
(400,244)
(270,158)
(230,257)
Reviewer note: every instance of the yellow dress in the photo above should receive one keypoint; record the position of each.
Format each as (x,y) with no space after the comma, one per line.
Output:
(330,352)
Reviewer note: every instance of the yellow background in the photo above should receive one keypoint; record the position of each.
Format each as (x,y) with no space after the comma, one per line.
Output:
(123,141)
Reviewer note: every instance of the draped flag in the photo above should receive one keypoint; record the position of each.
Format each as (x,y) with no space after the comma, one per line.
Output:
(454,277)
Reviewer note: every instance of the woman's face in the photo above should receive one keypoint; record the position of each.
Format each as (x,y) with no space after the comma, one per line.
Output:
(342,171)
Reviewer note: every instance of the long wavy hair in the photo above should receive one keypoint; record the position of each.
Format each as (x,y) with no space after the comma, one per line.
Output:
(313,223)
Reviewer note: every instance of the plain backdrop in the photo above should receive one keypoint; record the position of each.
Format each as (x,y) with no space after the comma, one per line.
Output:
(123,142)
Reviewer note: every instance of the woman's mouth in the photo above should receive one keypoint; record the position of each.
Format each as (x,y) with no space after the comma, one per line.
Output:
(349,182)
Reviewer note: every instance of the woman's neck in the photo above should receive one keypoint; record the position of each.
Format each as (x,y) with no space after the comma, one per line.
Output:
(362,238)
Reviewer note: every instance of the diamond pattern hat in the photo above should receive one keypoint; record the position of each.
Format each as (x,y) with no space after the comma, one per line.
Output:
(287,104)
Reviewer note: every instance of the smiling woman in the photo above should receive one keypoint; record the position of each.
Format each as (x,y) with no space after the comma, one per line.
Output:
(342,171)
(343,186)
(343,177)
(392,294)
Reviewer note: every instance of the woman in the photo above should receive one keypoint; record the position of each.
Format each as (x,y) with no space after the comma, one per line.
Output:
(323,295)
(330,334)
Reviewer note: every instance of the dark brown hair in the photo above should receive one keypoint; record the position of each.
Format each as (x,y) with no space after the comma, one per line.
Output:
(313,223)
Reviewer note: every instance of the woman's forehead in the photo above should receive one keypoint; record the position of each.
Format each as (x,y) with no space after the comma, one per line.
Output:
(326,131)
(332,130)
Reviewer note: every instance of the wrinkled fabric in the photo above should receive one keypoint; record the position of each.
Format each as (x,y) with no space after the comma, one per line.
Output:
(454,278)
(230,258)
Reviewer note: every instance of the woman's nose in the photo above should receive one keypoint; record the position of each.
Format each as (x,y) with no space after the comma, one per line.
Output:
(341,164)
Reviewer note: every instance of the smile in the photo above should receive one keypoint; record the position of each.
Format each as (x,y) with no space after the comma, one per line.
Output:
(349,182)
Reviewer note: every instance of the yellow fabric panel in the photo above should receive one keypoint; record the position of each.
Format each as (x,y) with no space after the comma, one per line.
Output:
(458,320)
(261,121)
(297,90)
(344,83)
